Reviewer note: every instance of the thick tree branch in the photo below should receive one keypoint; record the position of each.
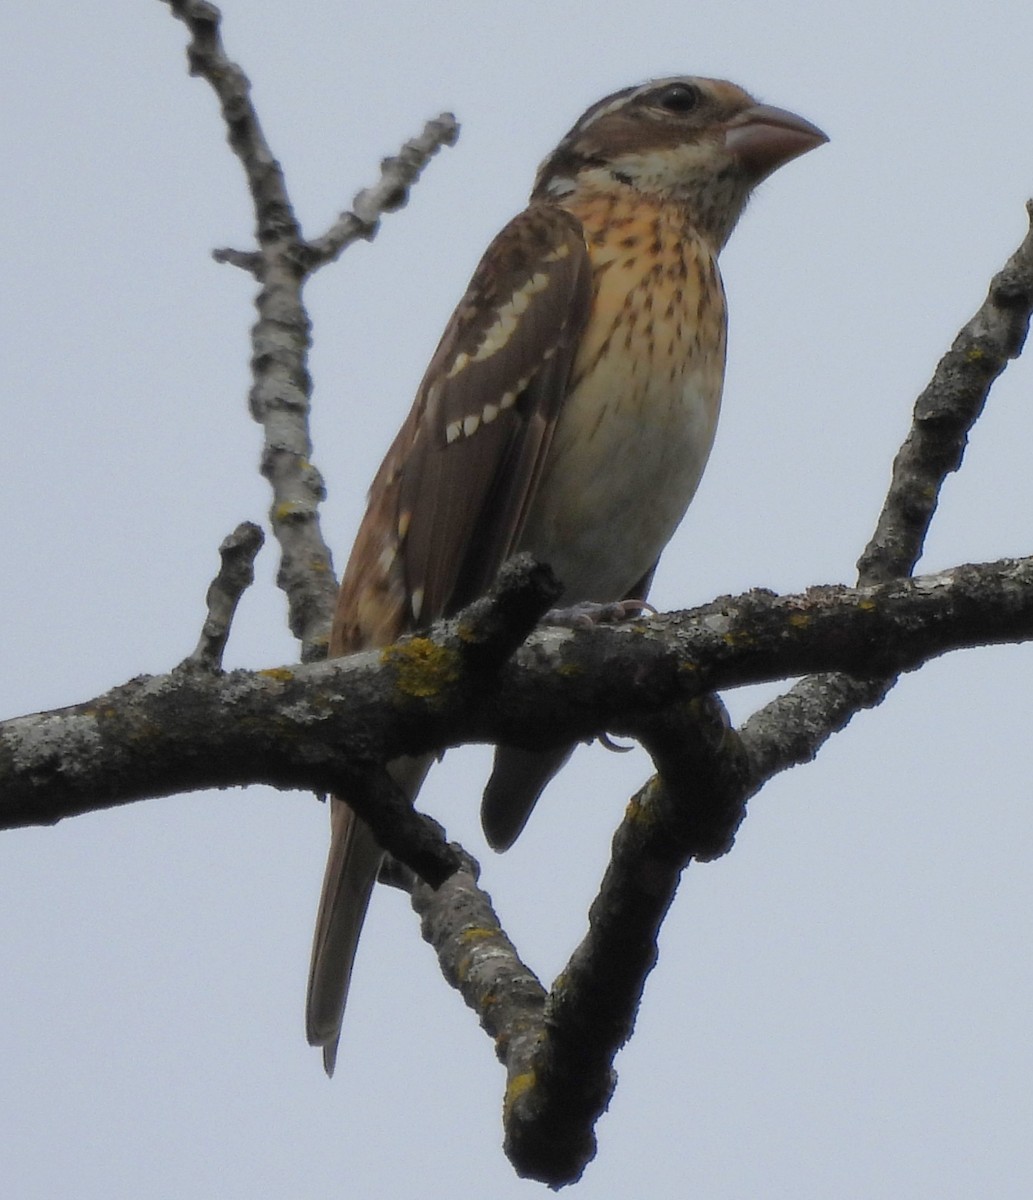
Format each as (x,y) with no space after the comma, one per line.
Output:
(302,726)
(563,1081)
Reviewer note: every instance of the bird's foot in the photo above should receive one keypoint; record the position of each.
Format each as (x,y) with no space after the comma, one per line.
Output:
(585,614)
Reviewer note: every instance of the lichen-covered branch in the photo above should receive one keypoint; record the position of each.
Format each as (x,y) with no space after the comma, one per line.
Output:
(562,1082)
(479,960)
(301,726)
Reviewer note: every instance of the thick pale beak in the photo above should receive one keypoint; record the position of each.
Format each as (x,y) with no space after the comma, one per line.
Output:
(763,138)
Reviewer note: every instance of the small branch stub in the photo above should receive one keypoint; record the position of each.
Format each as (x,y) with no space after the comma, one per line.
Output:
(237,573)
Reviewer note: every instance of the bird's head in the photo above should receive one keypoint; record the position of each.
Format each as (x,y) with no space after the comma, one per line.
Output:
(701,143)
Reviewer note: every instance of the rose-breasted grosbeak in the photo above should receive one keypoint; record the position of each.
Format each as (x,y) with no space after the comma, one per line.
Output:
(568,411)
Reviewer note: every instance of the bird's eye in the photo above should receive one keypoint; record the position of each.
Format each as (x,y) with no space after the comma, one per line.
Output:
(678,97)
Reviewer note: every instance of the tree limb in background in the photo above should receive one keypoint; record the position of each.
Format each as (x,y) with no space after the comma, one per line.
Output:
(791,729)
(280,338)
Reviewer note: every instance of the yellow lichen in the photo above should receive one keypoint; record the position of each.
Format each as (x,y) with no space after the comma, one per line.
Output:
(422,667)
(477,934)
(517,1087)
(289,510)
(638,809)
(739,637)
(100,712)
(282,674)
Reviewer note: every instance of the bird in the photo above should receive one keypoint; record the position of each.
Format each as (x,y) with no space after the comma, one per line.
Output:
(568,411)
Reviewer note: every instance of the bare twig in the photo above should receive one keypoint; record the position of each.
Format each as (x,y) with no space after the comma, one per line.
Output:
(390,193)
(281,389)
(281,392)
(791,729)
(945,413)
(247,260)
(236,575)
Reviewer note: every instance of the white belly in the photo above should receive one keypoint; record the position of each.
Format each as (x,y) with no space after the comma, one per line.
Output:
(625,462)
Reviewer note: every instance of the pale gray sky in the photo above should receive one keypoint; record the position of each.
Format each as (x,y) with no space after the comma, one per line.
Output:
(842,1005)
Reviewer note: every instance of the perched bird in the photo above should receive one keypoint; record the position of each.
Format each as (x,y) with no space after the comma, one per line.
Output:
(568,411)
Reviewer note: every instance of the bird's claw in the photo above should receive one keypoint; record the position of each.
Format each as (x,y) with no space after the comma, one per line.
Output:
(587,614)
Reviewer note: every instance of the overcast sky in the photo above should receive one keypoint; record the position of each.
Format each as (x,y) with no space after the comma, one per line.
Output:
(841,1008)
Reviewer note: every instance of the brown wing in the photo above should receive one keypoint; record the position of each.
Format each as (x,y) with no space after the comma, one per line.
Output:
(450,499)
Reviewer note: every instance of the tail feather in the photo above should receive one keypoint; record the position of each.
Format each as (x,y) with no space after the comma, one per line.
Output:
(517,780)
(351,871)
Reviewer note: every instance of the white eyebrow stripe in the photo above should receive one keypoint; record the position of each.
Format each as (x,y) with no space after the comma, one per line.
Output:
(625,98)
(605,111)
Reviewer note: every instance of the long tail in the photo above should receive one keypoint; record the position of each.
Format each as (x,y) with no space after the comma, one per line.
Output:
(351,871)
